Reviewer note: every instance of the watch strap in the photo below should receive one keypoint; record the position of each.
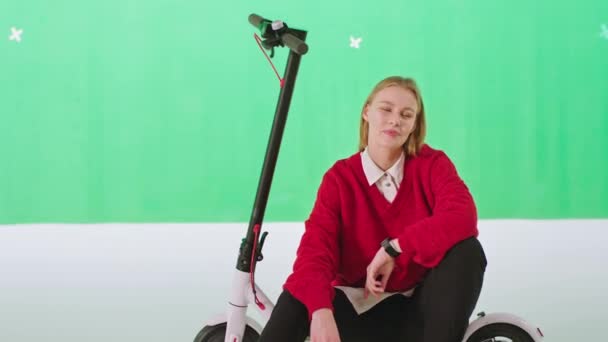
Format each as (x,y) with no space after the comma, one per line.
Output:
(388,247)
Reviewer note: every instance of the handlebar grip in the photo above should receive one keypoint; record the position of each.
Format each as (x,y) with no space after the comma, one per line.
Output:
(255,20)
(295,43)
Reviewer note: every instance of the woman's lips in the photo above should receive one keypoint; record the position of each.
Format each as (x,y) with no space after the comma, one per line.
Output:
(391,132)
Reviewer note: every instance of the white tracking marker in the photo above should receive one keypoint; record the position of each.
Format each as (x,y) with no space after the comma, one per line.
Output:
(604,33)
(354,42)
(15,34)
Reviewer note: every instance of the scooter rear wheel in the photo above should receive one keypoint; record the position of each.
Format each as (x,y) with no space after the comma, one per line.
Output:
(216,333)
(500,332)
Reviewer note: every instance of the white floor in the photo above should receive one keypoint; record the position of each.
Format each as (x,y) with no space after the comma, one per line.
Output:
(158,283)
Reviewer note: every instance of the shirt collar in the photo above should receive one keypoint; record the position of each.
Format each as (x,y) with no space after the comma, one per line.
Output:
(373,173)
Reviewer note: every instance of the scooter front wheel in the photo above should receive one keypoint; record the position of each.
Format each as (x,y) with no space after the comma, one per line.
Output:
(217,333)
(500,332)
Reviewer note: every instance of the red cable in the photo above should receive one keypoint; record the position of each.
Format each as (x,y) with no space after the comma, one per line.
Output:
(256,230)
(259,40)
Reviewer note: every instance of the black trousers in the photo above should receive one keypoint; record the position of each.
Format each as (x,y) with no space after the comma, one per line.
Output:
(439,310)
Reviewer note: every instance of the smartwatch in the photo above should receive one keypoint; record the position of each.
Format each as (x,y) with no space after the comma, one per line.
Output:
(388,247)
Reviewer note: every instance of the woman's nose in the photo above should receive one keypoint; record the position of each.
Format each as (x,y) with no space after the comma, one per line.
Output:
(395,119)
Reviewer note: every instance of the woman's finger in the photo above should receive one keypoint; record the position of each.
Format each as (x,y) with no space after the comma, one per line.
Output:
(369,287)
(383,283)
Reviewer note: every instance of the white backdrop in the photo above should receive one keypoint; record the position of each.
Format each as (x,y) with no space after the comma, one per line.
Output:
(159,282)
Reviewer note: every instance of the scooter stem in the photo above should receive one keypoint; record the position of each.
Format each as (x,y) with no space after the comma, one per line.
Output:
(272,152)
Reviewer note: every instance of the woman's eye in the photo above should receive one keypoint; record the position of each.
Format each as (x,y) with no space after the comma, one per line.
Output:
(384,109)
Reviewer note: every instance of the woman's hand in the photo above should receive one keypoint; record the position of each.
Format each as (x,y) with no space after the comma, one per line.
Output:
(323,327)
(378,272)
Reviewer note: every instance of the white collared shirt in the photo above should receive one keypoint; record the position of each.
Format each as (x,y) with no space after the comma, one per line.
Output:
(388,183)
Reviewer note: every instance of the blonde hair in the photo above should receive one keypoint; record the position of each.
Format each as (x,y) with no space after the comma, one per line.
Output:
(416,139)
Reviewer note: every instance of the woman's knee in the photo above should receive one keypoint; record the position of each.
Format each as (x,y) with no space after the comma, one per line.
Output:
(459,274)
(466,252)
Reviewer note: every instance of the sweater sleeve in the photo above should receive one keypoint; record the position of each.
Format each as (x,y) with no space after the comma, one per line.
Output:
(317,256)
(453,219)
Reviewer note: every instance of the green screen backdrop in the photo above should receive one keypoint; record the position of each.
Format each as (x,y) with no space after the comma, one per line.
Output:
(160,111)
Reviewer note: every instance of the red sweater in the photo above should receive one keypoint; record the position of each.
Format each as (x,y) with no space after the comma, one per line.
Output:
(432,211)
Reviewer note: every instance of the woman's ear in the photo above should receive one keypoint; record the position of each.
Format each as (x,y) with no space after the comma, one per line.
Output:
(364,114)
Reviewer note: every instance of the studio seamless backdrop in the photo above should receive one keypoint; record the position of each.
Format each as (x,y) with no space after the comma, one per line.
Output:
(160,111)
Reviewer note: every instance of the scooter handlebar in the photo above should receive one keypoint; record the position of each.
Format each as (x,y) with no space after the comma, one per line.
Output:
(293,42)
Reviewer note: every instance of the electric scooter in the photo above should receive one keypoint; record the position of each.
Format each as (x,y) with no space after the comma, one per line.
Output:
(234,325)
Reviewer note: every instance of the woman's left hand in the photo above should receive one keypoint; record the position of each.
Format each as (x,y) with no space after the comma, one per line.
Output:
(378,272)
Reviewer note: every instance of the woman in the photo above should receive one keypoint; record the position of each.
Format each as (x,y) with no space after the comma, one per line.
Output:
(389,252)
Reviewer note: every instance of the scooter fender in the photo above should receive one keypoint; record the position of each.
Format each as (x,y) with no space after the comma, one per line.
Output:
(502,317)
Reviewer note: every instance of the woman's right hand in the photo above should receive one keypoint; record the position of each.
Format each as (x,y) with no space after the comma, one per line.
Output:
(323,327)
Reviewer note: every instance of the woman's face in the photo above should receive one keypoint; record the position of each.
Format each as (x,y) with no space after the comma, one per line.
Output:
(391,117)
